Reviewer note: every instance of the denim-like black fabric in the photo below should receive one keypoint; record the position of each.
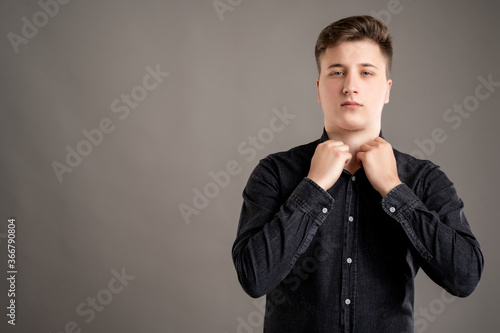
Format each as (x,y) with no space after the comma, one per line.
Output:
(344,260)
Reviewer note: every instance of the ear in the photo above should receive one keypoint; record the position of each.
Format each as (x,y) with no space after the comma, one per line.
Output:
(388,91)
(317,86)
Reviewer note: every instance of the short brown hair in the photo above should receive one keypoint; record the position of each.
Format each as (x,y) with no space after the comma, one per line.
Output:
(355,28)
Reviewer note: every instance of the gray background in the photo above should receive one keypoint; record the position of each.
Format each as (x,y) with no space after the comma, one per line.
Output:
(120,206)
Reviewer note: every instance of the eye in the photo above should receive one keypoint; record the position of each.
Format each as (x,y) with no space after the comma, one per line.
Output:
(335,73)
(366,73)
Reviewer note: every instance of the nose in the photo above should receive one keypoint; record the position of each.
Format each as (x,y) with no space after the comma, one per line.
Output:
(350,85)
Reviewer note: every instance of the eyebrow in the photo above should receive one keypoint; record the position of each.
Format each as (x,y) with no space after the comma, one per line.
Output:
(365,64)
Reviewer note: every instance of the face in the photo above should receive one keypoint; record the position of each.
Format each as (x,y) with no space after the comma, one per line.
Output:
(353,87)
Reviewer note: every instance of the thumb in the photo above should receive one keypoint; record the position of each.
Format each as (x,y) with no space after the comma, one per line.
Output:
(348,159)
(360,156)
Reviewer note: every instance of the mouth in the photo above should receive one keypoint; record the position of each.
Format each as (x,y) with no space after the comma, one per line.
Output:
(351,105)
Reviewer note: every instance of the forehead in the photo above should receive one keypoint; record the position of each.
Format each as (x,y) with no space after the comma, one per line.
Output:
(353,52)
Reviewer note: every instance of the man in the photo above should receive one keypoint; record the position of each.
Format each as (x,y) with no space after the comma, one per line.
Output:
(334,231)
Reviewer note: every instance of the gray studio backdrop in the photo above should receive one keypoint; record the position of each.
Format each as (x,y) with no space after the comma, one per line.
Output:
(129,129)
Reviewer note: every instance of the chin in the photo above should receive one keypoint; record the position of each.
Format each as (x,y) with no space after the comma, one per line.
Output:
(346,122)
(351,125)
(352,129)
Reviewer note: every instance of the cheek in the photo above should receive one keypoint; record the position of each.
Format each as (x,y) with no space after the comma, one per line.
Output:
(379,95)
(329,89)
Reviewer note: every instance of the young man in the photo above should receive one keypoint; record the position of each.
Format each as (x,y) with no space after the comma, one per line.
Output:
(334,231)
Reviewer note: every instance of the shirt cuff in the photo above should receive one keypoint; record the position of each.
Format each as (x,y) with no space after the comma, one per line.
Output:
(398,204)
(311,198)
(400,199)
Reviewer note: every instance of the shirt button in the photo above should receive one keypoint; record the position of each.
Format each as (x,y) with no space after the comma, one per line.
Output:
(392,209)
(348,301)
(349,260)
(325,210)
(353,178)
(351,218)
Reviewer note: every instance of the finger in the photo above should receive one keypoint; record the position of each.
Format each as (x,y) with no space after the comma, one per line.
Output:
(360,156)
(343,148)
(373,143)
(349,157)
(334,143)
(366,147)
(379,139)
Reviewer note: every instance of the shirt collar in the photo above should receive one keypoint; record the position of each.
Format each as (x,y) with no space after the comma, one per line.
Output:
(324,137)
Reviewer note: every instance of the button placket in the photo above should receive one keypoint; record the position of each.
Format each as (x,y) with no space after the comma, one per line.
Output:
(348,276)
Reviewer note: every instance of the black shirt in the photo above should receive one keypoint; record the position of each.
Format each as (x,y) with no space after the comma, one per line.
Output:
(344,260)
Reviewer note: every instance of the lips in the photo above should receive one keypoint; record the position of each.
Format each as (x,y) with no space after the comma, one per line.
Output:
(351,105)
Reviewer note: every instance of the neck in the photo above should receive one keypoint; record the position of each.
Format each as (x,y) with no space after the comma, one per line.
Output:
(354,139)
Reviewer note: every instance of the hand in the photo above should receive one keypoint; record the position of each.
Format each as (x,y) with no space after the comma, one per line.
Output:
(377,158)
(328,161)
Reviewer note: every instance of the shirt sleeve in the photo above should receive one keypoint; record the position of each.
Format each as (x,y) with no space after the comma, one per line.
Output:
(437,229)
(273,234)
